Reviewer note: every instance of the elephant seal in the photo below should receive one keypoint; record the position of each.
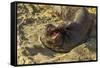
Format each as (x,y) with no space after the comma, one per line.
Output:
(64,38)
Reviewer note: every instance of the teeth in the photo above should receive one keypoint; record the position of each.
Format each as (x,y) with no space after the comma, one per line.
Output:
(54,36)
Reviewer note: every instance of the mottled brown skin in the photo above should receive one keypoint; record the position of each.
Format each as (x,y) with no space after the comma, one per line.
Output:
(68,36)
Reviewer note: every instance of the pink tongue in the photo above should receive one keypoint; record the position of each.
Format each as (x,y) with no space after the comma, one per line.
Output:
(54,33)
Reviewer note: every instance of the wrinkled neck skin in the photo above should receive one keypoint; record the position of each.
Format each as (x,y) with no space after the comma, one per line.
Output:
(70,40)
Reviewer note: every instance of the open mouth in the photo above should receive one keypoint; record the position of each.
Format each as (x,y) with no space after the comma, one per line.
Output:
(54,35)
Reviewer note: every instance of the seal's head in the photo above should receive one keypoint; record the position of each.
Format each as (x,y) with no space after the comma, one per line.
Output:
(52,38)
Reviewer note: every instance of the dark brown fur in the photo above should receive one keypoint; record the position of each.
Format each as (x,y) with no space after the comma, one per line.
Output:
(71,33)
